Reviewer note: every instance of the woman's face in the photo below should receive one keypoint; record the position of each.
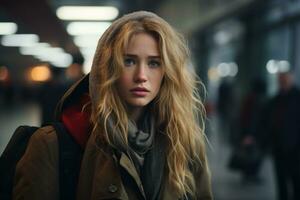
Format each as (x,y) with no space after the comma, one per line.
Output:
(142,72)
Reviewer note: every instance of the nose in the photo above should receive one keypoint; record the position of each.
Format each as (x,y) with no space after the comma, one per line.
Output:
(140,73)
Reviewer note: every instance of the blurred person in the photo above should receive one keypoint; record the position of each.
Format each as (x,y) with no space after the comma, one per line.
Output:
(251,117)
(283,136)
(225,109)
(136,115)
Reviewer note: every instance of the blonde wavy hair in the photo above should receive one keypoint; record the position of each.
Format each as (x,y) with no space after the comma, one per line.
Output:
(178,107)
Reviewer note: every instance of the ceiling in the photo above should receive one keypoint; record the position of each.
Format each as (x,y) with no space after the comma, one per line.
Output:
(38,17)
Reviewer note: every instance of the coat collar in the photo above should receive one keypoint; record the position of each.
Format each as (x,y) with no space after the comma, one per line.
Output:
(100,174)
(129,167)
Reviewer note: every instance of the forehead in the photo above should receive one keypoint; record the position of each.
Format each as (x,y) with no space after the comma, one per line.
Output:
(142,42)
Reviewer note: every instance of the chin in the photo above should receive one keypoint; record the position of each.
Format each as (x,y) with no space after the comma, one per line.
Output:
(139,103)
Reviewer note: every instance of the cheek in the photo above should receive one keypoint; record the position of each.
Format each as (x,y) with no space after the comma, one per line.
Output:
(157,80)
(124,80)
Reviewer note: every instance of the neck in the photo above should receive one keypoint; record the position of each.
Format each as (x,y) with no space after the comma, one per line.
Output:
(135,113)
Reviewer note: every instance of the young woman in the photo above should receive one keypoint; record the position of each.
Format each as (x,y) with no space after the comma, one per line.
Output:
(136,115)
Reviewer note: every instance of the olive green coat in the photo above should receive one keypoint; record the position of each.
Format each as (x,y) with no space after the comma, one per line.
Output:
(37,173)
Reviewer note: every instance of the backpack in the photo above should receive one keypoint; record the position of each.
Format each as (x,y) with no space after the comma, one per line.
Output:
(70,154)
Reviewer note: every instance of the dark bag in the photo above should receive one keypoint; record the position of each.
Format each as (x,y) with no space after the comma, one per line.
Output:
(70,154)
(245,158)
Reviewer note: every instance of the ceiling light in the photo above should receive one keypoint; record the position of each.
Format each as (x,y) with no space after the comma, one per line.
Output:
(86,40)
(272,67)
(86,28)
(44,52)
(283,66)
(223,69)
(62,60)
(19,40)
(40,73)
(87,12)
(87,65)
(55,56)
(35,49)
(7,28)
(88,51)
(233,69)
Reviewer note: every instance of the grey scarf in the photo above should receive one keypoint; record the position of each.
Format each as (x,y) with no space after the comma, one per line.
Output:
(147,153)
(140,139)
(146,150)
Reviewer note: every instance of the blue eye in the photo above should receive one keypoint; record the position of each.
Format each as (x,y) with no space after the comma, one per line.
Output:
(154,63)
(129,61)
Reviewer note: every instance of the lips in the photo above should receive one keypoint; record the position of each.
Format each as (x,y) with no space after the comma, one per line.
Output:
(139,91)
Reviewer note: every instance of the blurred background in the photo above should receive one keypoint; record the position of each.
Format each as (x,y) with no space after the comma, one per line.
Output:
(237,47)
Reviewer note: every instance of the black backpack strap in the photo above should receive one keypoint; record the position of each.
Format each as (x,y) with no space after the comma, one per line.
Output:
(70,154)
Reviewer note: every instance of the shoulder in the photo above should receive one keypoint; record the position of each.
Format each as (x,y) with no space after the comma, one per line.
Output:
(44,134)
(43,143)
(42,150)
(38,167)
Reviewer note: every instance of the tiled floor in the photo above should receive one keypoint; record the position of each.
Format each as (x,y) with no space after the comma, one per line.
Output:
(227,185)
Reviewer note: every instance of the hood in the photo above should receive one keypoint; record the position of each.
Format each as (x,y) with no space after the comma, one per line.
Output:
(72,95)
(87,89)
(70,111)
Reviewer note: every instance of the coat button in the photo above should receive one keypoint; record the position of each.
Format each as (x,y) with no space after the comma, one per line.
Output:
(112,188)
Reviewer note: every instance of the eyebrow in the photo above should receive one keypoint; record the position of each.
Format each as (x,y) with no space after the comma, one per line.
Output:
(134,56)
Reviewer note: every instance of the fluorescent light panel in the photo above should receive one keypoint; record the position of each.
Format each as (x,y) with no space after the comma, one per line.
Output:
(19,40)
(87,12)
(88,51)
(227,69)
(62,60)
(44,52)
(34,50)
(87,28)
(7,28)
(276,66)
(86,40)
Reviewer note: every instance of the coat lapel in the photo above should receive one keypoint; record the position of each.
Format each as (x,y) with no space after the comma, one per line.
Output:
(128,165)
